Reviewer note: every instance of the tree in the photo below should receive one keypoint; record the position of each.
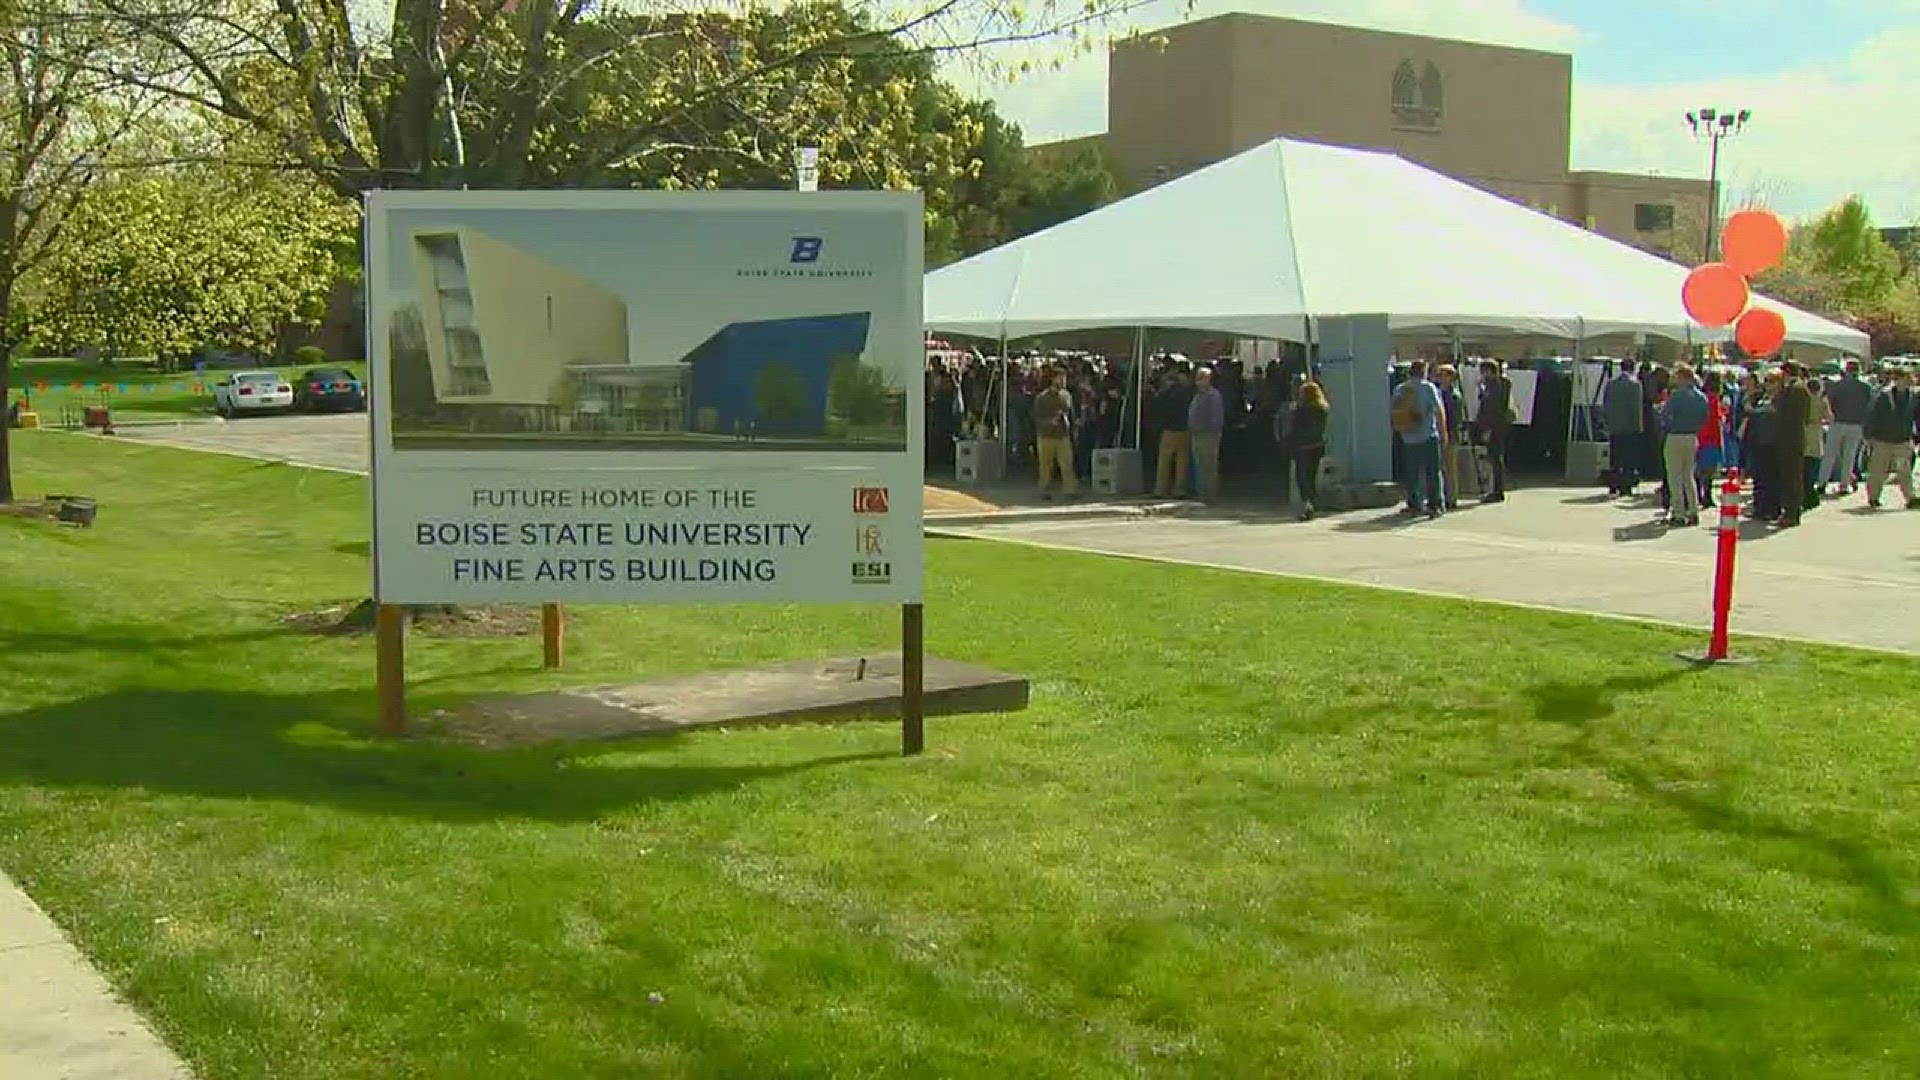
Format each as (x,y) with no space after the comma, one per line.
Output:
(779,395)
(1840,266)
(857,393)
(1845,245)
(1010,190)
(61,126)
(501,93)
(166,262)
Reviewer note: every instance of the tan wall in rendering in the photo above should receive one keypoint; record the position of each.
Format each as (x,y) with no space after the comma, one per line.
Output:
(534,320)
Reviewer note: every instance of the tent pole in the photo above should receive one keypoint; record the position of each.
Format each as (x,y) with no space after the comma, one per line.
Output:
(1006,389)
(1139,381)
(1579,357)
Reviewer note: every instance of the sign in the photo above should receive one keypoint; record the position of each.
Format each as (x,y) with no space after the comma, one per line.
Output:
(806,169)
(641,396)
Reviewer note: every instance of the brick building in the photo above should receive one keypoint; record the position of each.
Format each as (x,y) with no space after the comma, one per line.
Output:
(1496,117)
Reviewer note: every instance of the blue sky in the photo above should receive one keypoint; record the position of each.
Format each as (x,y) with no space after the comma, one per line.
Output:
(1834,84)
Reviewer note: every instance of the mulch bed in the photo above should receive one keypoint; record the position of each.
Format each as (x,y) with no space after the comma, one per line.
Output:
(30,508)
(41,509)
(483,621)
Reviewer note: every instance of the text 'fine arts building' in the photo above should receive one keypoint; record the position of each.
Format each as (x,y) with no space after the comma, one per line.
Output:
(516,345)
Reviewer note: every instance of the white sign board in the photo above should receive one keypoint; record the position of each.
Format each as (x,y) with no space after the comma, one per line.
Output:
(1526,387)
(639,396)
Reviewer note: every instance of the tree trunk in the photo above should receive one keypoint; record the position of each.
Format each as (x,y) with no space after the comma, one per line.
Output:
(6,403)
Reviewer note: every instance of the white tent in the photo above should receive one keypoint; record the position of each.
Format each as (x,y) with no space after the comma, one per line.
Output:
(1260,242)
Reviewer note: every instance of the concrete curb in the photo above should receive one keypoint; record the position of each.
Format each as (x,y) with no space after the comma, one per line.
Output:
(1024,515)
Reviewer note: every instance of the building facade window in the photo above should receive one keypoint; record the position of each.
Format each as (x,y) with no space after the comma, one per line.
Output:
(1652,217)
(466,361)
(1418,94)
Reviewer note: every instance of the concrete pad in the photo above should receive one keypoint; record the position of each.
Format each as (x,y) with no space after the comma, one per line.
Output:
(804,690)
(1846,576)
(59,1019)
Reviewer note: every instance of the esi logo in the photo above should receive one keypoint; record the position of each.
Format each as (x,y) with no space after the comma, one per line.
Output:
(806,249)
(872,567)
(869,500)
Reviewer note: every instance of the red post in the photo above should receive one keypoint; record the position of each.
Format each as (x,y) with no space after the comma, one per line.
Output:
(1723,565)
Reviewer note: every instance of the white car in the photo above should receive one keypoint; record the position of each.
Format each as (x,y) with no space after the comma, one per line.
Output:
(251,391)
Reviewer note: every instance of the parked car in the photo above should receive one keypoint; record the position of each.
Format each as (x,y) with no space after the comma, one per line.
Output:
(329,390)
(251,392)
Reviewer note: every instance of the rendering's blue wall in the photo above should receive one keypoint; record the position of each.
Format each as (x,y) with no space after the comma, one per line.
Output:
(726,366)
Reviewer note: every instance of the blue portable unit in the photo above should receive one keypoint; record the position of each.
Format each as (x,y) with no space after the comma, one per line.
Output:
(736,383)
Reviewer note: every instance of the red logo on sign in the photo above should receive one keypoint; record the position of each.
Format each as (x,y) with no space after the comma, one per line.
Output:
(869,500)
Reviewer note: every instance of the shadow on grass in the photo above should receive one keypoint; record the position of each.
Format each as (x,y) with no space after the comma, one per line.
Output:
(310,748)
(17,644)
(1712,807)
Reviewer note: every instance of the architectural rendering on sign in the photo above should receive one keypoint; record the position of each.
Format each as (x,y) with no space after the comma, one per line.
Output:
(502,346)
(504,326)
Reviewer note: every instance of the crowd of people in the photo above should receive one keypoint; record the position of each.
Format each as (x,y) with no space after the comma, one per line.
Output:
(1801,439)
(1432,425)
(1197,420)
(1089,405)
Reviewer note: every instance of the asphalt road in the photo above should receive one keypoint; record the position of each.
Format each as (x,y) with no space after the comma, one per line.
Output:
(328,441)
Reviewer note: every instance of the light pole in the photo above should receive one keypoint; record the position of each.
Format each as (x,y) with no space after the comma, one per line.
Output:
(1714,125)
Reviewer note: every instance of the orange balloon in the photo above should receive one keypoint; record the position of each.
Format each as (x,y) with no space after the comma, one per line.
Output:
(1754,241)
(1760,332)
(1714,294)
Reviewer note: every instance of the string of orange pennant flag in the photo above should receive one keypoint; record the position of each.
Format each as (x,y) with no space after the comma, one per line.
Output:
(125,388)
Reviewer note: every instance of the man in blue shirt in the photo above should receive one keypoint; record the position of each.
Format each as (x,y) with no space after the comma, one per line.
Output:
(1206,423)
(1417,412)
(1683,414)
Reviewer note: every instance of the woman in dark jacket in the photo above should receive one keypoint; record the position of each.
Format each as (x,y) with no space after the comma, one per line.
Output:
(1307,442)
(1759,437)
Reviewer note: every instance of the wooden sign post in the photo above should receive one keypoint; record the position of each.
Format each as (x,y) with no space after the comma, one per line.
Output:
(913,679)
(390,666)
(553,632)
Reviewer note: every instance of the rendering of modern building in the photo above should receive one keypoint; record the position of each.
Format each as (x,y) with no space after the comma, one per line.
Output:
(504,327)
(502,348)
(770,377)
(1496,117)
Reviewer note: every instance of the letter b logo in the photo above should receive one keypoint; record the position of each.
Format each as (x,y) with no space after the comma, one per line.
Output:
(806,249)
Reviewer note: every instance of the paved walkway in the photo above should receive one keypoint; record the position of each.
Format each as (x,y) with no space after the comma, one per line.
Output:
(1848,575)
(58,1018)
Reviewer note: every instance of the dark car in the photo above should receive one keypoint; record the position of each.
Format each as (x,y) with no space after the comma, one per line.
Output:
(329,390)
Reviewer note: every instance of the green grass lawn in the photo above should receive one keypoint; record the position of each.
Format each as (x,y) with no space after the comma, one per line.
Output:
(1249,828)
(132,391)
